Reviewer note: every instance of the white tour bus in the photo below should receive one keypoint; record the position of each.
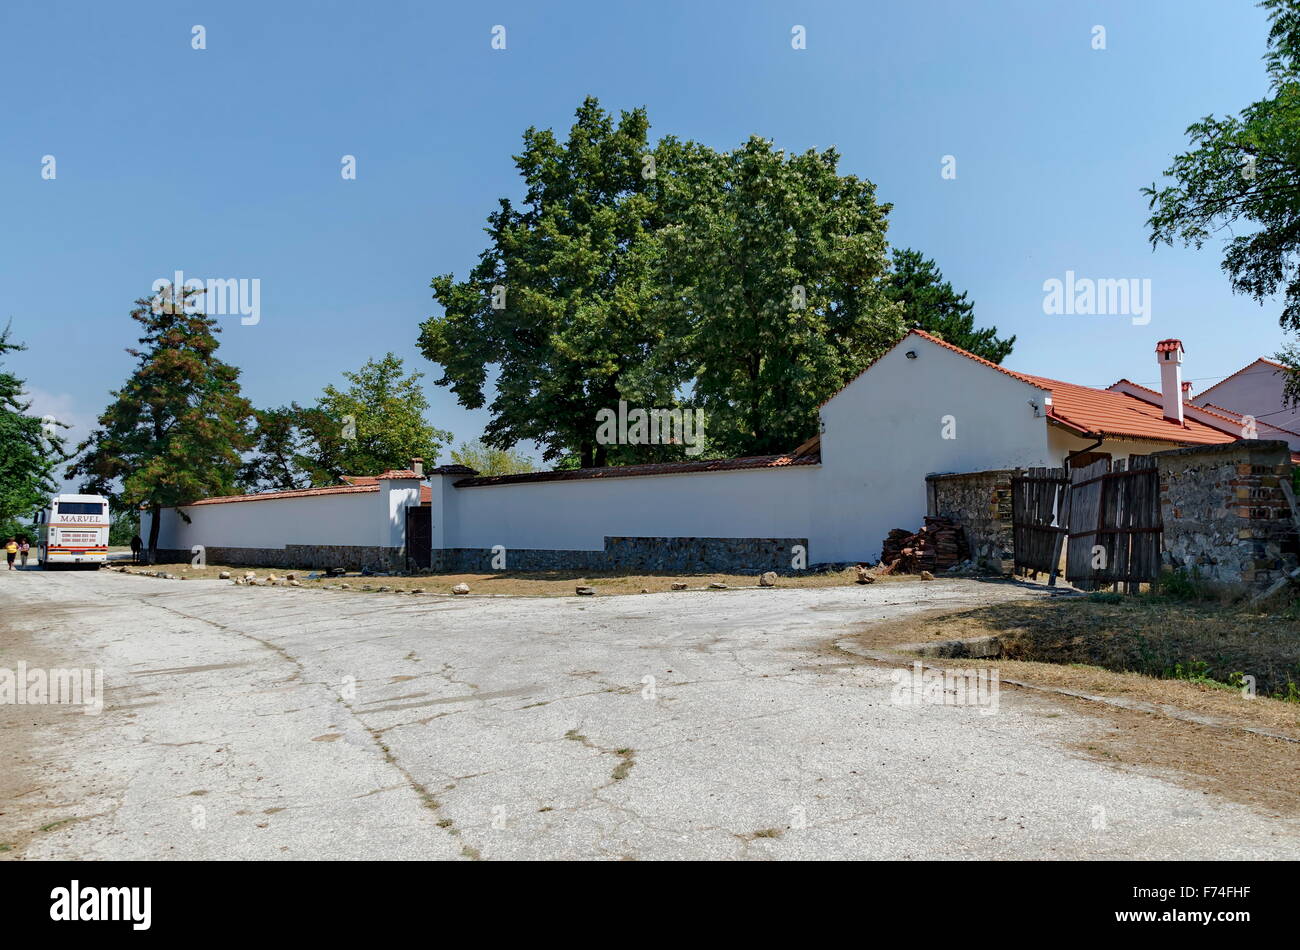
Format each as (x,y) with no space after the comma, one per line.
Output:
(73,529)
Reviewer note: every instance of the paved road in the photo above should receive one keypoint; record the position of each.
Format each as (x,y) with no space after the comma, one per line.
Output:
(284,723)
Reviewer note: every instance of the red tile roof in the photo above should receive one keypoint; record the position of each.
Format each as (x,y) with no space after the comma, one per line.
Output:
(1096,412)
(294,493)
(356,484)
(1100,412)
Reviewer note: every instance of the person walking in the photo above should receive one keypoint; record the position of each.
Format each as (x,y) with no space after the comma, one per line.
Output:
(23,549)
(137,543)
(11,552)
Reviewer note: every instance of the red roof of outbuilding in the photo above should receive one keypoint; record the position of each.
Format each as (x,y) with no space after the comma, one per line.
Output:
(1096,412)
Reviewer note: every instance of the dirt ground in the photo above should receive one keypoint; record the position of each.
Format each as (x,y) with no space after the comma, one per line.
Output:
(520,584)
(1213,737)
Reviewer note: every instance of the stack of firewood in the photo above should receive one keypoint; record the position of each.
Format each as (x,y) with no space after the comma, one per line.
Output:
(936,547)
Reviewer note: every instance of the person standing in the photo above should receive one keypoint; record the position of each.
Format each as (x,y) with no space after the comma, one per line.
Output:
(11,552)
(23,549)
(136,544)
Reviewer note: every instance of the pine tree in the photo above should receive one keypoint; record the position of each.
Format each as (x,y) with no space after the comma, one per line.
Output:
(27,453)
(931,304)
(175,431)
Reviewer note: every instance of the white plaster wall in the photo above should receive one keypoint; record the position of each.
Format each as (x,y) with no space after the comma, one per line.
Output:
(1257,391)
(883,434)
(355,518)
(1061,443)
(579,514)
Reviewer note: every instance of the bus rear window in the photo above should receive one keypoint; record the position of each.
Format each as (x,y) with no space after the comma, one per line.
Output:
(81,508)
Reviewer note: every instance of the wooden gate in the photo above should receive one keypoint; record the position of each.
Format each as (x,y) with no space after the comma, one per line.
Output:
(419,538)
(1114,524)
(1038,501)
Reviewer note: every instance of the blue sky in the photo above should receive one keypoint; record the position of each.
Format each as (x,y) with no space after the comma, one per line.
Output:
(225,162)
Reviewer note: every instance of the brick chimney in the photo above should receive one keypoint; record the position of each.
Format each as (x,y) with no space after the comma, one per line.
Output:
(1169,354)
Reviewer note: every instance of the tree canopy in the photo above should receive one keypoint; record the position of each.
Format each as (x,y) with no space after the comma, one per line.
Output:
(176,430)
(28,451)
(560,300)
(749,284)
(1244,169)
(489,461)
(931,304)
(375,423)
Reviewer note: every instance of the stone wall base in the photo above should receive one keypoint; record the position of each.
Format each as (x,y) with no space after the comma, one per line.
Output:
(648,555)
(299,556)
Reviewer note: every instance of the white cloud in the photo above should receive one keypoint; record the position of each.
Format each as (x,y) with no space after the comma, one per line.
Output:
(61,406)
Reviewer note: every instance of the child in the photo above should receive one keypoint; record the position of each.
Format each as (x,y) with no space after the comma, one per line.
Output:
(23,548)
(11,551)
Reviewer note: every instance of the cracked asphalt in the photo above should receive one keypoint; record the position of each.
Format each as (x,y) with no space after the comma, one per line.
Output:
(256,723)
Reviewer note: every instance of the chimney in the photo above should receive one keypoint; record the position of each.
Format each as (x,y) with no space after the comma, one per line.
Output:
(1169,354)
(1187,391)
(417,466)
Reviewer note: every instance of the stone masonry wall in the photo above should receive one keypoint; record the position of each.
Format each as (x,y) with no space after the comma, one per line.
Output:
(651,555)
(1225,513)
(981,503)
(300,556)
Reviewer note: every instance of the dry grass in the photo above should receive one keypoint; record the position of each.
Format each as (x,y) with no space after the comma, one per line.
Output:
(1125,653)
(524,583)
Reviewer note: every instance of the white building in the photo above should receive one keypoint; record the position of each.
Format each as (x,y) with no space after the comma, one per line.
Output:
(1258,391)
(923,407)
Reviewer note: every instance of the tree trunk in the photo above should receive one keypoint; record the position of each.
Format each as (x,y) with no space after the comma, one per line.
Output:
(155,510)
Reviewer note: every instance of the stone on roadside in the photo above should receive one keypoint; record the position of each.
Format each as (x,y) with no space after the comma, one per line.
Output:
(678,585)
(927,576)
(767,579)
(460,589)
(717,585)
(224,575)
(584,591)
(864,576)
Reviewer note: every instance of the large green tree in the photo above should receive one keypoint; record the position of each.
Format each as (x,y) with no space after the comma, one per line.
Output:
(773,267)
(1244,170)
(176,429)
(560,302)
(284,453)
(931,304)
(375,423)
(28,451)
(489,461)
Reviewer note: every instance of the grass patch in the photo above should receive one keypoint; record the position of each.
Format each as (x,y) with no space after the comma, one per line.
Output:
(1210,644)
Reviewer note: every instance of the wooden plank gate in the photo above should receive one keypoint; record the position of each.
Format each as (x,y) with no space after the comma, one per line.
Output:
(1114,524)
(1038,501)
(419,538)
